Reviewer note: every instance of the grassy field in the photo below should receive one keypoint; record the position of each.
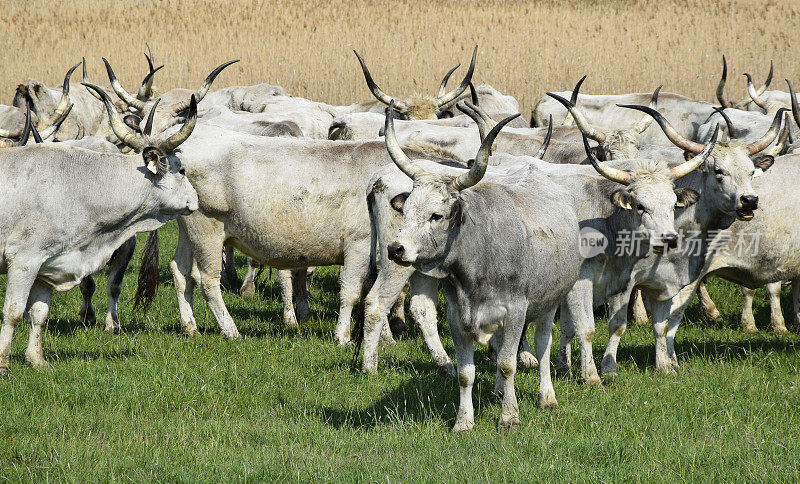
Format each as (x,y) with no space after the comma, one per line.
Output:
(152,405)
(279,405)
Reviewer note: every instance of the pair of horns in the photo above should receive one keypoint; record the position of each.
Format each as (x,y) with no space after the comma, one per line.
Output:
(176,108)
(462,182)
(741,104)
(697,148)
(583,124)
(485,123)
(442,99)
(129,138)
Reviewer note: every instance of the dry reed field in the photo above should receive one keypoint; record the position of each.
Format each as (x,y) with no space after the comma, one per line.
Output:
(526,48)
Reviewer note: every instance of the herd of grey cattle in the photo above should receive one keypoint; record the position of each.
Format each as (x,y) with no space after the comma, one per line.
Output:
(590,203)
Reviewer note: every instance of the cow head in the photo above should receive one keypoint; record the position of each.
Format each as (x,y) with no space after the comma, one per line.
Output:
(174,194)
(164,116)
(742,103)
(419,106)
(48,106)
(612,145)
(731,167)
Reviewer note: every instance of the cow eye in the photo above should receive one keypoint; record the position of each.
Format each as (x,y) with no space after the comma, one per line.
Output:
(719,172)
(436,217)
(640,207)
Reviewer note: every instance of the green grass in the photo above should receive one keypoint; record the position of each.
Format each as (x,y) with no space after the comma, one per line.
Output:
(279,405)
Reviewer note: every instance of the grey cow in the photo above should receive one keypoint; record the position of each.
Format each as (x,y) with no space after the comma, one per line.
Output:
(67,209)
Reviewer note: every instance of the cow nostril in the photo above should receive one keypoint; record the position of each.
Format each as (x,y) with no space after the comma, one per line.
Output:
(749,201)
(396,251)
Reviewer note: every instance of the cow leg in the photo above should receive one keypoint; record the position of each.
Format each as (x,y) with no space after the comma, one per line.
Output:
(351,277)
(424,292)
(249,285)
(580,311)
(39,302)
(18,288)
(397,316)
(796,304)
(564,356)
(639,311)
(285,281)
(300,289)
(229,279)
(525,354)
(507,364)
(776,314)
(617,323)
(465,354)
(748,321)
(381,296)
(87,288)
(542,340)
(184,275)
(210,265)
(709,307)
(665,326)
(119,263)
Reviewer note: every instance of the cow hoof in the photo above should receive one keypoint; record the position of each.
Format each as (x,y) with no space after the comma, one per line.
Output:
(342,340)
(190,332)
(608,367)
(448,370)
(462,426)
(232,335)
(592,380)
(112,327)
(397,326)
(749,327)
(666,369)
(290,321)
(369,367)
(527,360)
(508,421)
(38,363)
(248,290)
(387,340)
(303,314)
(88,317)
(547,401)
(780,331)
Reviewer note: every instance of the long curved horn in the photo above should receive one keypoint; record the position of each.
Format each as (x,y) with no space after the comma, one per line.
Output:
(782,138)
(201,93)
(646,121)
(721,86)
(121,92)
(795,107)
(446,78)
(148,125)
(769,136)
(475,174)
(607,171)
(146,89)
(751,91)
(546,142)
(574,97)
(373,88)
(482,127)
(51,130)
(123,132)
(473,94)
(731,130)
(176,139)
(480,112)
(86,81)
(667,128)
(690,165)
(63,103)
(453,95)
(393,147)
(580,119)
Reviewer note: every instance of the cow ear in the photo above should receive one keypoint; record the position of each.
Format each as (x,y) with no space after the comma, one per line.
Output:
(445,114)
(133,121)
(153,160)
(622,199)
(686,197)
(458,211)
(399,201)
(764,162)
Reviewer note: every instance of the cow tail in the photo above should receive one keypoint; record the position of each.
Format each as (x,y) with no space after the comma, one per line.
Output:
(147,284)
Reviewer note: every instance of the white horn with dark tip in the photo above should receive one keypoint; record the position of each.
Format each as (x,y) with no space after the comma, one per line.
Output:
(393,147)
(475,174)
(580,119)
(451,96)
(692,164)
